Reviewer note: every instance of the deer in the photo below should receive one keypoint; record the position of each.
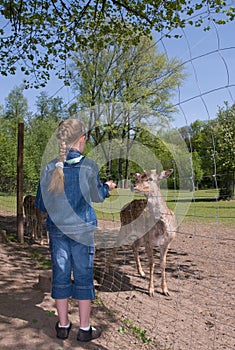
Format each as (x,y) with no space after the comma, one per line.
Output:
(34,219)
(151,222)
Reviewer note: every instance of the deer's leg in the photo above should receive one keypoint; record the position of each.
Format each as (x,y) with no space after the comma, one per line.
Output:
(35,233)
(27,226)
(135,247)
(32,229)
(40,230)
(47,237)
(149,252)
(43,227)
(163,253)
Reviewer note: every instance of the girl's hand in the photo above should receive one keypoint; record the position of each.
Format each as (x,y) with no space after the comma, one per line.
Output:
(111,185)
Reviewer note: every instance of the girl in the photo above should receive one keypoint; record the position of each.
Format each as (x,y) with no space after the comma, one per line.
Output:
(68,186)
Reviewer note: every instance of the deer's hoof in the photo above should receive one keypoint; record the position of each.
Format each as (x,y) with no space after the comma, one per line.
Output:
(142,274)
(166,293)
(151,292)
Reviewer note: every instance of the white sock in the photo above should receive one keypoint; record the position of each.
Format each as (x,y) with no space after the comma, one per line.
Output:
(85,328)
(67,326)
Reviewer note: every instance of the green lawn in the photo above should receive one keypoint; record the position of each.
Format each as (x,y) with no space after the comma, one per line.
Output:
(8,203)
(201,205)
(206,207)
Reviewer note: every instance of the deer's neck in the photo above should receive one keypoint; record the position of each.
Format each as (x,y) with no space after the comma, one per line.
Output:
(157,204)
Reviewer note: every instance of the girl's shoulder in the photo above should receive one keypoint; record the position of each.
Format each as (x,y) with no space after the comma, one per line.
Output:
(89,163)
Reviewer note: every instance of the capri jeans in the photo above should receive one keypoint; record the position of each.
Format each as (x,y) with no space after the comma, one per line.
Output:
(72,268)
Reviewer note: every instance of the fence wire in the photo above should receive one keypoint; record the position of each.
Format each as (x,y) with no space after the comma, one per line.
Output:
(199,314)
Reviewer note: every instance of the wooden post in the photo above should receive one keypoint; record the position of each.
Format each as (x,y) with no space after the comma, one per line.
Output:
(3,236)
(44,281)
(20,217)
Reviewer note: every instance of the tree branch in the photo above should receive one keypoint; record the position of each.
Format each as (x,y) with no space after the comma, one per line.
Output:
(133,11)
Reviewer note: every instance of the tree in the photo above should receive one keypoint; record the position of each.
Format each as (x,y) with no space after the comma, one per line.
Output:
(50,108)
(50,111)
(213,147)
(225,150)
(197,169)
(42,35)
(14,111)
(199,137)
(7,159)
(124,89)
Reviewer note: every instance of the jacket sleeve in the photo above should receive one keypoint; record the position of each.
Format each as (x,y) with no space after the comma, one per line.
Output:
(39,204)
(98,190)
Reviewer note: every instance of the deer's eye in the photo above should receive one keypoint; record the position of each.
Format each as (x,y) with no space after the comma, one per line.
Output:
(150,179)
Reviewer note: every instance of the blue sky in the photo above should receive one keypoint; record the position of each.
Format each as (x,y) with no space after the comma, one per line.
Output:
(209,61)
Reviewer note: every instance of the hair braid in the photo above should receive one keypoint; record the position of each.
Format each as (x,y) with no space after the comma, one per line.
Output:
(68,132)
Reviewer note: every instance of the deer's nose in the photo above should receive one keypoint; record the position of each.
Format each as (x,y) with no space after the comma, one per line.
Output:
(132,188)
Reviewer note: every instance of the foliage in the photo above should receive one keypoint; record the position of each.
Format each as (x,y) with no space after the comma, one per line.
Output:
(211,146)
(127,74)
(8,161)
(225,137)
(38,130)
(197,168)
(214,144)
(124,89)
(15,111)
(137,331)
(41,36)
(37,135)
(225,150)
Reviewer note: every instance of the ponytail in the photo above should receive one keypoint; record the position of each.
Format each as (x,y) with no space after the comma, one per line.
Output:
(57,179)
(69,131)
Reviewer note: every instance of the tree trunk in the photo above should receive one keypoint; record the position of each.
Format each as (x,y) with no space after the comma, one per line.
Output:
(227,186)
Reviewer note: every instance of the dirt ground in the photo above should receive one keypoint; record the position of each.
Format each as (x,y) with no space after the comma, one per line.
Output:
(198,314)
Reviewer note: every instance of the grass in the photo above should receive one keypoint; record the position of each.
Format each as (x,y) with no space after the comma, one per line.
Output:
(110,208)
(8,203)
(43,263)
(205,207)
(137,331)
(201,205)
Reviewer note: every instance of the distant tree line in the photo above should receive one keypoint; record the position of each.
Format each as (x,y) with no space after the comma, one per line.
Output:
(213,145)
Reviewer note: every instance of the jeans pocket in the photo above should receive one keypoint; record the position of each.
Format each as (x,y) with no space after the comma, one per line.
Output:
(91,252)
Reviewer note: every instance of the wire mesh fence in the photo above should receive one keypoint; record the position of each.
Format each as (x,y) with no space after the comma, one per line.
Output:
(199,313)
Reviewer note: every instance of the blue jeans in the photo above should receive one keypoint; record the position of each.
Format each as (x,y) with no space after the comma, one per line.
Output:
(71,259)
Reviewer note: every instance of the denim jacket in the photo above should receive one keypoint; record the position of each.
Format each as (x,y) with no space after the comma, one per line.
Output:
(71,212)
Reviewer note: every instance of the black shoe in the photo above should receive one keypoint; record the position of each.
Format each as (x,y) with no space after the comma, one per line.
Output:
(62,332)
(93,333)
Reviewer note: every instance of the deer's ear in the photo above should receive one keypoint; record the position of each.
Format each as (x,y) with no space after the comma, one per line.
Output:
(143,176)
(135,175)
(165,174)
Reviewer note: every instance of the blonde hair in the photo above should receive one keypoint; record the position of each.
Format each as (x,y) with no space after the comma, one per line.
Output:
(69,131)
